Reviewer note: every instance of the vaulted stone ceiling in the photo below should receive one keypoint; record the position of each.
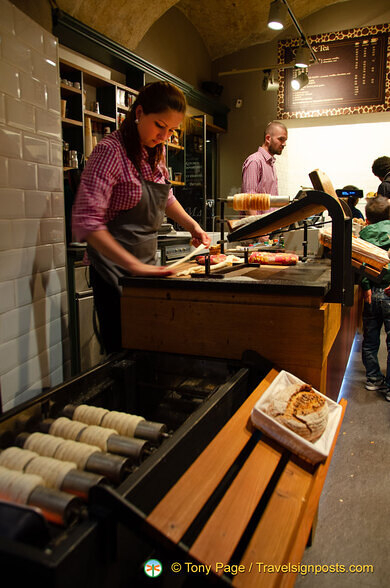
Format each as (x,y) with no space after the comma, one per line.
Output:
(224,25)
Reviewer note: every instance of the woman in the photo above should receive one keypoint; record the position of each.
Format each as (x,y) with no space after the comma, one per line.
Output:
(123,196)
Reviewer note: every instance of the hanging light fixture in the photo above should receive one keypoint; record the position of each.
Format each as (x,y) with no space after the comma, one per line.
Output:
(269,82)
(277,15)
(302,56)
(300,81)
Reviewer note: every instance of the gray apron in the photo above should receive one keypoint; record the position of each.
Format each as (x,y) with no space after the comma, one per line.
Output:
(136,230)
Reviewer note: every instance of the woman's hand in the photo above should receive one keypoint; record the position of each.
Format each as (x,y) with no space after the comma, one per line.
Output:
(199,236)
(143,269)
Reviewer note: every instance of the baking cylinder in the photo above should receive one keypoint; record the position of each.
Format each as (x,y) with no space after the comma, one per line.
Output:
(57,507)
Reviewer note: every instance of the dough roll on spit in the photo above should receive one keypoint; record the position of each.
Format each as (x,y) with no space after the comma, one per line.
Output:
(87,457)
(107,439)
(129,425)
(57,507)
(57,474)
(251,201)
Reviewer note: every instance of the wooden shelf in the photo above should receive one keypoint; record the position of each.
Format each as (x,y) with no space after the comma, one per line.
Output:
(177,183)
(70,89)
(121,107)
(98,117)
(70,121)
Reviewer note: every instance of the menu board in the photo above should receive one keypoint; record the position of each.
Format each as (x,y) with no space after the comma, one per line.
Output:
(351,75)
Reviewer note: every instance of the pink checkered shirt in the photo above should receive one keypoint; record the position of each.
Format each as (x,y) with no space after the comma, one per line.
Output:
(110,183)
(258,174)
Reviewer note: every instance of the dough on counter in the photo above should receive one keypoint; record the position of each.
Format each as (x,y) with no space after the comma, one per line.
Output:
(301,409)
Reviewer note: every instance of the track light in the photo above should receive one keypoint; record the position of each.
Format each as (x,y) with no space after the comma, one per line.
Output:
(302,56)
(269,82)
(300,81)
(277,15)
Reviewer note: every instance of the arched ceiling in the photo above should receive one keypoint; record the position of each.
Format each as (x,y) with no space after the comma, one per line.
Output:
(224,25)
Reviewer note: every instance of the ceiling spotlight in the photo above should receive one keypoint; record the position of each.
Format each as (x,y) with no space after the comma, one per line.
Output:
(300,81)
(269,82)
(277,15)
(302,56)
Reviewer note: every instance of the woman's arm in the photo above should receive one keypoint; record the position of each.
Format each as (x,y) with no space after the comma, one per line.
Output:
(176,212)
(105,243)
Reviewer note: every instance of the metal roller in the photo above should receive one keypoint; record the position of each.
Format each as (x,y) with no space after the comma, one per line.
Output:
(57,507)
(79,483)
(113,467)
(152,431)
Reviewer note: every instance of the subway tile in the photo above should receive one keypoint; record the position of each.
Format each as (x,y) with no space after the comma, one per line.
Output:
(59,254)
(48,123)
(28,30)
(28,289)
(11,203)
(9,80)
(57,204)
(25,232)
(19,114)
(7,296)
(17,53)
(13,263)
(38,204)
(50,46)
(2,107)
(18,380)
(21,320)
(56,281)
(9,356)
(3,173)
(52,231)
(35,149)
(32,90)
(45,70)
(43,258)
(57,376)
(54,309)
(56,153)
(53,97)
(50,177)
(22,174)
(6,240)
(10,142)
(7,17)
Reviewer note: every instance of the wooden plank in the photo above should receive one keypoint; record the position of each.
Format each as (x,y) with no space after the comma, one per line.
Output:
(258,298)
(280,522)
(175,512)
(222,532)
(310,509)
(283,532)
(285,336)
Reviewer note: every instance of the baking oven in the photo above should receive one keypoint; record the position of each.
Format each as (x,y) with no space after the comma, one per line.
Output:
(185,401)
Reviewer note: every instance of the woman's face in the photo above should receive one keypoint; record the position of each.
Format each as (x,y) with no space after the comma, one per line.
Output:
(155,128)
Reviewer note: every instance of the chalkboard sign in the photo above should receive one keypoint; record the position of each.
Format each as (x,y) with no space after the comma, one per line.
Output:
(352,75)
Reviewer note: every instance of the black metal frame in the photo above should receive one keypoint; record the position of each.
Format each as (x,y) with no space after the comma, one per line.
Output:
(341,289)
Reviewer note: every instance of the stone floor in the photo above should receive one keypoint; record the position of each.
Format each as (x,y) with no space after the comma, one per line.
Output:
(354,515)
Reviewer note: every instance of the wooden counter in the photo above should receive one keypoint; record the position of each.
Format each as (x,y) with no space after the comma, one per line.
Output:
(280,313)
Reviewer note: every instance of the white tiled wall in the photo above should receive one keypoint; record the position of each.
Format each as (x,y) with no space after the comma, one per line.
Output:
(33,302)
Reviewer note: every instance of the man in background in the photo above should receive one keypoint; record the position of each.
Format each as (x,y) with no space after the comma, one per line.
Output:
(258,170)
(381,169)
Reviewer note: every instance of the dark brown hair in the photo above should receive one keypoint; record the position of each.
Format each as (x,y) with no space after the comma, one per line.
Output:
(155,97)
(381,166)
(377,209)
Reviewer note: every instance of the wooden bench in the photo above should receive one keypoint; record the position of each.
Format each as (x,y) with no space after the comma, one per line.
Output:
(245,500)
